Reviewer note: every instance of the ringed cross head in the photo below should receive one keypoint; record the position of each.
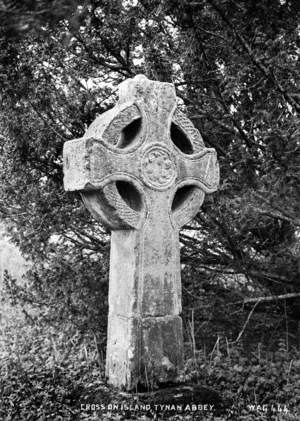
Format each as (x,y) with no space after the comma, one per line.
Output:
(142,170)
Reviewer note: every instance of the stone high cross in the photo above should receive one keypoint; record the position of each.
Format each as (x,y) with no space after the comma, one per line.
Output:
(142,170)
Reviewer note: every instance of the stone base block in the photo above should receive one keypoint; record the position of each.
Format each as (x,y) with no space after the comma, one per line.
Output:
(162,354)
(143,351)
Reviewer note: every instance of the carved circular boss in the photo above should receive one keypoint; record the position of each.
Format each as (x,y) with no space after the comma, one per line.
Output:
(158,168)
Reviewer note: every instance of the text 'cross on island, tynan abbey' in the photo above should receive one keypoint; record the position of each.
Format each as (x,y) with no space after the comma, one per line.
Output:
(142,170)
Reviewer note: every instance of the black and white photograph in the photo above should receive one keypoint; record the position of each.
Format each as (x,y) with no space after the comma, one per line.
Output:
(149,210)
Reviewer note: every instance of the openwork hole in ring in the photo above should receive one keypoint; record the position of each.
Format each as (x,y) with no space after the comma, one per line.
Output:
(129,133)
(181,196)
(180,139)
(130,195)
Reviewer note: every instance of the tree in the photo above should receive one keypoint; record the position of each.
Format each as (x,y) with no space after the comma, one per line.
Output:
(234,65)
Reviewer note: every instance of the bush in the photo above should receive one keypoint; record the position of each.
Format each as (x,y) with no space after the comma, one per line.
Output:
(268,379)
(43,375)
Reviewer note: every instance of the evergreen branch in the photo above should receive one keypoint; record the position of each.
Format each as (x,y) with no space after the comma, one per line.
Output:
(269,298)
(256,61)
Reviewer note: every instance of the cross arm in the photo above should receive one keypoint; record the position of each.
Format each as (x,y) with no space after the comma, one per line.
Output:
(90,164)
(200,169)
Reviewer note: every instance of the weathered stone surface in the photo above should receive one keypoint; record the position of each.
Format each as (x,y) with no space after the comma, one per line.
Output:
(143,170)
